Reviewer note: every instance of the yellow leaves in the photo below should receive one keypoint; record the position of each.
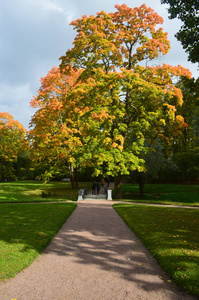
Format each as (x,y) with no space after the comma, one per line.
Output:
(180,122)
(162,122)
(170,112)
(120,147)
(120,138)
(107,141)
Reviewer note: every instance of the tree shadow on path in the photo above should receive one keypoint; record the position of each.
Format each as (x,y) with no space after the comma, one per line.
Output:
(96,236)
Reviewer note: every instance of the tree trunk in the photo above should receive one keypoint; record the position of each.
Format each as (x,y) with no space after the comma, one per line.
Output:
(71,172)
(76,178)
(118,189)
(141,184)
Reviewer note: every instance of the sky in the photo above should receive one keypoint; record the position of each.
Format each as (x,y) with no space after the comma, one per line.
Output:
(34,34)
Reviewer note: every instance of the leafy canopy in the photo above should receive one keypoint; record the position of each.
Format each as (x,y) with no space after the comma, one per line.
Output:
(105,100)
(111,48)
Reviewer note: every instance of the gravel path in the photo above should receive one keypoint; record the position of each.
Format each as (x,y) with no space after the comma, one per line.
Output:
(94,256)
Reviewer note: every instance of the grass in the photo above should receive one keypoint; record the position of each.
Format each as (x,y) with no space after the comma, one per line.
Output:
(25,230)
(172,236)
(163,194)
(31,191)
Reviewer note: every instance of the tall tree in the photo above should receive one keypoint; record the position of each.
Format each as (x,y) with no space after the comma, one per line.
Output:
(62,132)
(135,98)
(188,12)
(12,142)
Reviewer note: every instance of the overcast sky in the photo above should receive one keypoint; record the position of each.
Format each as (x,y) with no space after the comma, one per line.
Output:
(35,33)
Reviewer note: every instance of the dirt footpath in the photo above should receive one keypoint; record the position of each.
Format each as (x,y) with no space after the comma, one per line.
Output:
(94,256)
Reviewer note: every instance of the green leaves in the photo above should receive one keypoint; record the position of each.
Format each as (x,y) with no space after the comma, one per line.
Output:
(101,105)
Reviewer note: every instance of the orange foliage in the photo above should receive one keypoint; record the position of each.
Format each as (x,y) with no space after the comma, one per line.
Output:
(102,95)
(12,137)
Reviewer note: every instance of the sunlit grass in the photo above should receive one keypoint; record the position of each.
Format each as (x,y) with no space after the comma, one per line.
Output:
(172,236)
(31,191)
(163,194)
(25,230)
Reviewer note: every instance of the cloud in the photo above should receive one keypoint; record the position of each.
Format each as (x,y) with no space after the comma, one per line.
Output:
(35,34)
(47,5)
(15,101)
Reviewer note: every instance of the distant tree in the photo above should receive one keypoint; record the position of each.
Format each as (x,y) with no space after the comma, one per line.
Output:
(12,142)
(189,110)
(188,12)
(153,162)
(186,145)
(23,166)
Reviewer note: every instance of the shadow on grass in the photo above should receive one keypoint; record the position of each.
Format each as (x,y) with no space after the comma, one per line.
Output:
(25,230)
(33,191)
(172,237)
(163,194)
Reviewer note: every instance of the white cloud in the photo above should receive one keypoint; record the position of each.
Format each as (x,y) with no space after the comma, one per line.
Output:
(51,6)
(47,5)
(15,100)
(44,5)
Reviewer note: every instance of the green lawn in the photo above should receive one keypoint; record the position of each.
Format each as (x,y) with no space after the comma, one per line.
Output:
(25,230)
(171,235)
(163,194)
(31,191)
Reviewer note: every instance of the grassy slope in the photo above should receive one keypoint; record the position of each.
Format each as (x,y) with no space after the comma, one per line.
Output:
(172,236)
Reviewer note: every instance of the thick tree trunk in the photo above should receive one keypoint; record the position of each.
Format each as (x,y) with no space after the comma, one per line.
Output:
(118,189)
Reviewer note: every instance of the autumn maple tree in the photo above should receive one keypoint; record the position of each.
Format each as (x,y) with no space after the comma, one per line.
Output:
(12,142)
(114,52)
(107,99)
